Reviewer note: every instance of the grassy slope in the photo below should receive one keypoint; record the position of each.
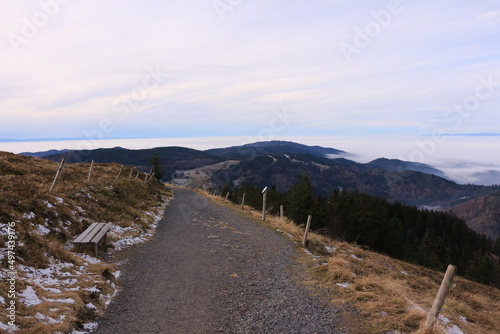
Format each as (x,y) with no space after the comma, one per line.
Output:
(391,295)
(60,287)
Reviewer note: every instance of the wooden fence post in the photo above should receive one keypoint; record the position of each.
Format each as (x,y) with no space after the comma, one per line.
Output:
(264,200)
(227,195)
(58,175)
(120,173)
(243,202)
(131,171)
(151,177)
(441,296)
(91,170)
(137,175)
(145,177)
(281,211)
(308,226)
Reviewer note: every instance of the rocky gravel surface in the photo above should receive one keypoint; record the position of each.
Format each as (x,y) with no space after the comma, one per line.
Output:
(211,270)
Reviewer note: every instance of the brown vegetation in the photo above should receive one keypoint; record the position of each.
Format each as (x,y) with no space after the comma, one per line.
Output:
(68,285)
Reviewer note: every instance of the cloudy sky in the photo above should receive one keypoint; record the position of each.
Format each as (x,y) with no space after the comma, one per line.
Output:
(201,68)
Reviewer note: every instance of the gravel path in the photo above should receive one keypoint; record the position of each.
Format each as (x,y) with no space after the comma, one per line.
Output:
(209,270)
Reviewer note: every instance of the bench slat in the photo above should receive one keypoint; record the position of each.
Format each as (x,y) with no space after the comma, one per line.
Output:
(92,233)
(101,233)
(86,233)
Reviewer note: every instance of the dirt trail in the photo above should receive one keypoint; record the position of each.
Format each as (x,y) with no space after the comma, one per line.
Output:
(209,270)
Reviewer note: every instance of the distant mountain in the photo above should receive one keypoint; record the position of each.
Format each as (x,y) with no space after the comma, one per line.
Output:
(407,186)
(44,153)
(250,151)
(481,213)
(399,165)
(172,158)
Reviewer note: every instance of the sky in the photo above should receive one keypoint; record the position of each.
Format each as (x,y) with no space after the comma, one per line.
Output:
(259,69)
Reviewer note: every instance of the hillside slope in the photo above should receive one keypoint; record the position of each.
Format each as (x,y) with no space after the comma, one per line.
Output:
(482,213)
(55,286)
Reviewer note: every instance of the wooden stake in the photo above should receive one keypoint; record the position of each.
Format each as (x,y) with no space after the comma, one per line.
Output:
(137,175)
(130,175)
(308,226)
(227,195)
(243,202)
(441,296)
(151,177)
(281,212)
(120,173)
(264,200)
(91,170)
(58,175)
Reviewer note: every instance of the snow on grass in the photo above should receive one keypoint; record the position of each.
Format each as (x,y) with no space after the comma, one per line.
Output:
(343,285)
(29,297)
(42,230)
(30,215)
(330,249)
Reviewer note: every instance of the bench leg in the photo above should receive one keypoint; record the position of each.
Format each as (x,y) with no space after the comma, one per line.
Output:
(95,248)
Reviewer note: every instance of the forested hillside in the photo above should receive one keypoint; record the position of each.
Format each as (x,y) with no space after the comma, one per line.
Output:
(429,238)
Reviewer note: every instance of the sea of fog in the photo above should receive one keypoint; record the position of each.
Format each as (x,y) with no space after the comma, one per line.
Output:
(464,159)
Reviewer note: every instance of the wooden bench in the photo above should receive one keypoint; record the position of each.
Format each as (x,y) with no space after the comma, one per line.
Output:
(93,234)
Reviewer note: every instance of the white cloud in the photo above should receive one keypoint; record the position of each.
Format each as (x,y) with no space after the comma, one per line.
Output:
(263,55)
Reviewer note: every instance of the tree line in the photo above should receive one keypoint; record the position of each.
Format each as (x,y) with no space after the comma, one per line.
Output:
(428,238)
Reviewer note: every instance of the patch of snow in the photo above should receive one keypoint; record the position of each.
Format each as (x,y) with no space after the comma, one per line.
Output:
(88,258)
(42,230)
(404,273)
(444,319)
(454,330)
(462,318)
(330,249)
(2,300)
(59,200)
(357,258)
(50,206)
(91,306)
(344,285)
(66,300)
(28,297)
(30,215)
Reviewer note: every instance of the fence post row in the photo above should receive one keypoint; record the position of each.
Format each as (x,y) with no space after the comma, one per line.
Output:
(58,175)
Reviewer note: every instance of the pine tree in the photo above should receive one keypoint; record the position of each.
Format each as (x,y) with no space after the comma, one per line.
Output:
(157,166)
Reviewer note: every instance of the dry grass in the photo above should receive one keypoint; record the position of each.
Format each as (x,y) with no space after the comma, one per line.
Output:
(72,286)
(391,295)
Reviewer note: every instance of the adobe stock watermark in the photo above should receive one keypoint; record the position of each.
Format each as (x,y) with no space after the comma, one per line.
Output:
(122,107)
(372,29)
(11,275)
(454,118)
(31,26)
(221,7)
